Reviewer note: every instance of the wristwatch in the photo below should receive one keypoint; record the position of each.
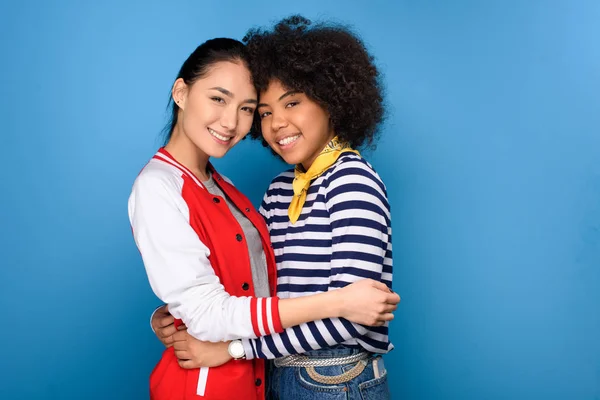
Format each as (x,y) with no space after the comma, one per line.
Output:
(236,350)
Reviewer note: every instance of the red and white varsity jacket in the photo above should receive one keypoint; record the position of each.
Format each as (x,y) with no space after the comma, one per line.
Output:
(197,262)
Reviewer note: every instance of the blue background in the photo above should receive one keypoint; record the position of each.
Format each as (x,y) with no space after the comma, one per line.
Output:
(491,155)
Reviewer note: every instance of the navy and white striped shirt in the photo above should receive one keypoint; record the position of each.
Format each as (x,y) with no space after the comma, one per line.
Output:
(343,235)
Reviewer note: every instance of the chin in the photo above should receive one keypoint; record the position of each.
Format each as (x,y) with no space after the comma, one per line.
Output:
(290,159)
(219,154)
(218,151)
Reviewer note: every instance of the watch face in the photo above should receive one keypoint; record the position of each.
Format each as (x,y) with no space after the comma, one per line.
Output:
(236,349)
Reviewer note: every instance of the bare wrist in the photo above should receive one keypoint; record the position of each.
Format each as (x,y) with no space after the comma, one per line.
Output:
(335,303)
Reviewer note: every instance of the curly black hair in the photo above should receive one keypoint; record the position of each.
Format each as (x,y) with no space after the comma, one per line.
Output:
(328,63)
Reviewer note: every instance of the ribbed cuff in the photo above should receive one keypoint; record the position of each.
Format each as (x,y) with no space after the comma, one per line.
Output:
(264,313)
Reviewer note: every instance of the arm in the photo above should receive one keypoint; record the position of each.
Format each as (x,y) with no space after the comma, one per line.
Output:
(193,353)
(361,226)
(180,274)
(178,268)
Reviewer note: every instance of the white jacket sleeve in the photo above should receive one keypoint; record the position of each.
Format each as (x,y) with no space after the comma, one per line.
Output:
(179,270)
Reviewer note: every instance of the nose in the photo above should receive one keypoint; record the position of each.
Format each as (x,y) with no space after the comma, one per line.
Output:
(229,118)
(278,122)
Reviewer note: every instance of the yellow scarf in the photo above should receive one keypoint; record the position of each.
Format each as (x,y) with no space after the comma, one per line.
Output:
(326,158)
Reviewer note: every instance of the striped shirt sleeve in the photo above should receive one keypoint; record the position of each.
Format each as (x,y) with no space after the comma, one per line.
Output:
(359,214)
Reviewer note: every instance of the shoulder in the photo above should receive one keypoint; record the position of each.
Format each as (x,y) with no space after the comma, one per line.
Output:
(353,171)
(158,176)
(286,176)
(283,181)
(353,187)
(157,188)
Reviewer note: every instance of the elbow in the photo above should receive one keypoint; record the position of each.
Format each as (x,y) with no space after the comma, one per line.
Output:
(205,328)
(204,324)
(213,321)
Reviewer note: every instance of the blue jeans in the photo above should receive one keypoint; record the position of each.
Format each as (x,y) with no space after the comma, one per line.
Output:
(290,383)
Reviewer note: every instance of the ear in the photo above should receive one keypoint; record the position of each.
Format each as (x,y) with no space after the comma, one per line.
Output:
(179,93)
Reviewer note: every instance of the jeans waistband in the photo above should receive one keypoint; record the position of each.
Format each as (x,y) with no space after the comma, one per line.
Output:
(334,351)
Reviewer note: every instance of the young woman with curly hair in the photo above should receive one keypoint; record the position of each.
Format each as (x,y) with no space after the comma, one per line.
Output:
(329,220)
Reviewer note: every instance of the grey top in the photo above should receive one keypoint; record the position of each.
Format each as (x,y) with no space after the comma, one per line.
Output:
(258,261)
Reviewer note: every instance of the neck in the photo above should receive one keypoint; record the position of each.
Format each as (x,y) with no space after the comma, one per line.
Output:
(306,164)
(188,154)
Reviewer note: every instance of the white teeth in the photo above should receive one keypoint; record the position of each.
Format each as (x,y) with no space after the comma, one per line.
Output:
(288,140)
(220,137)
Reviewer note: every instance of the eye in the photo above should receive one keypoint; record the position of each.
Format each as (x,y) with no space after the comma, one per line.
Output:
(249,110)
(218,99)
(292,104)
(264,114)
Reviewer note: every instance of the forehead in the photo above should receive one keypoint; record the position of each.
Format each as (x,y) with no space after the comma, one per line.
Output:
(233,76)
(273,91)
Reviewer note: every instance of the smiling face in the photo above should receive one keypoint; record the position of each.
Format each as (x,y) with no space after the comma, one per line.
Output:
(295,126)
(215,112)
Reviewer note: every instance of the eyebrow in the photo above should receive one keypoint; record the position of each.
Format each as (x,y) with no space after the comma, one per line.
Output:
(283,96)
(229,94)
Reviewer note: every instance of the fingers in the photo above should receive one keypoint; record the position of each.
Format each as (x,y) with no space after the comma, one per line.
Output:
(180,345)
(166,320)
(388,308)
(381,319)
(378,321)
(183,354)
(180,336)
(165,335)
(380,285)
(185,361)
(386,317)
(162,310)
(163,321)
(167,342)
(392,298)
(166,332)
(187,364)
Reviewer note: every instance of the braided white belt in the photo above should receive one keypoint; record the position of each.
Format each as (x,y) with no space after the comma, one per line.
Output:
(311,363)
(298,360)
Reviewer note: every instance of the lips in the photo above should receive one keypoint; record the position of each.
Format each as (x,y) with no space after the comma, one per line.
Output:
(288,140)
(219,136)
